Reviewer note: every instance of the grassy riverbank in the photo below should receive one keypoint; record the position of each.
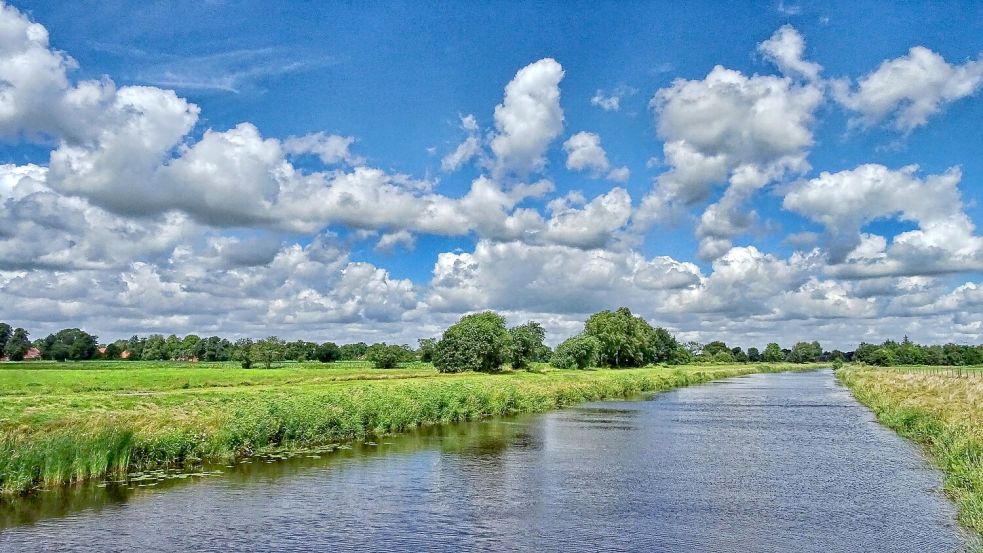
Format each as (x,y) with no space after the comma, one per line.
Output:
(66,423)
(944,413)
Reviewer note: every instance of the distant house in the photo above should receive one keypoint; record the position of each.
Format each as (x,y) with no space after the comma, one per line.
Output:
(33,354)
(102,351)
(124,355)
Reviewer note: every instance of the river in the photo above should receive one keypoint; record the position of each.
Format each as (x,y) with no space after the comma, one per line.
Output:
(770,463)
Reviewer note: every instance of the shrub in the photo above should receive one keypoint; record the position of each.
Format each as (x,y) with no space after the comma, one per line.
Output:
(385,356)
(578,352)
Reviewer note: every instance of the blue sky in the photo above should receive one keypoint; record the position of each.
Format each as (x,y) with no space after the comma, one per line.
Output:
(397,78)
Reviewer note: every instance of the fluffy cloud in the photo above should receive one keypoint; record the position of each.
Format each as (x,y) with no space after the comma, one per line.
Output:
(844,202)
(529,118)
(331,149)
(734,129)
(785,49)
(585,153)
(909,89)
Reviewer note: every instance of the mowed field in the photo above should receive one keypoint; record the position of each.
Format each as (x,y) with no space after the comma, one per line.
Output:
(65,422)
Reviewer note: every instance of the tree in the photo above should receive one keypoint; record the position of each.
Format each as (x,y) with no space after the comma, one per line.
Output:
(526,341)
(428,346)
(17,345)
(578,352)
(351,352)
(328,352)
(753,355)
(713,348)
(477,342)
(5,332)
(773,353)
(243,352)
(154,348)
(268,351)
(385,356)
(69,343)
(629,341)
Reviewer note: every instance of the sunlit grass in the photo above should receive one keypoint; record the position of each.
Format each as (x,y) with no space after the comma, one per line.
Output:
(944,413)
(61,424)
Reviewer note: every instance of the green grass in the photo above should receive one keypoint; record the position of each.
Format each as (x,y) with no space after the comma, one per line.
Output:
(64,423)
(943,413)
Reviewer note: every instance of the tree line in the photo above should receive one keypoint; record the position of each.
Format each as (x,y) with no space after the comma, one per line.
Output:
(481,342)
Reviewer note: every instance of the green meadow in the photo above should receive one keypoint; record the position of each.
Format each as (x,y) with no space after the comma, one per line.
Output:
(67,422)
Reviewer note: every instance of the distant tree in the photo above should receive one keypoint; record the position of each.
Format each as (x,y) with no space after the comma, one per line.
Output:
(426,349)
(135,348)
(269,351)
(526,341)
(753,355)
(715,347)
(112,351)
(739,355)
(578,352)
(630,341)
(5,332)
(477,342)
(69,343)
(154,348)
(773,353)
(17,345)
(352,352)
(243,352)
(300,350)
(328,352)
(387,356)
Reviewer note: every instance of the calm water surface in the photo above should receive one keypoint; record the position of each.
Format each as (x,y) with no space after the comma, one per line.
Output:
(782,462)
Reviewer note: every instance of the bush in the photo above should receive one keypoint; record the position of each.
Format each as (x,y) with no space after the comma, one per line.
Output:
(837,364)
(578,352)
(478,342)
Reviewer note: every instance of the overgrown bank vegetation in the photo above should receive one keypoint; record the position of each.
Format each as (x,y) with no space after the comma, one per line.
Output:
(942,413)
(55,433)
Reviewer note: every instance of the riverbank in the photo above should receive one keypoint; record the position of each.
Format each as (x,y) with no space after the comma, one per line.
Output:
(944,414)
(59,426)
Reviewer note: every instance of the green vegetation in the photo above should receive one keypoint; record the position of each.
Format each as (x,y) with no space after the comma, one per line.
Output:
(906,352)
(66,422)
(942,413)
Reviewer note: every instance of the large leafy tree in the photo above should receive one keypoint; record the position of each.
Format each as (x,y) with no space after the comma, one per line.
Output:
(17,345)
(629,341)
(328,352)
(526,342)
(478,342)
(70,343)
(269,351)
(773,353)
